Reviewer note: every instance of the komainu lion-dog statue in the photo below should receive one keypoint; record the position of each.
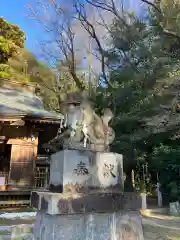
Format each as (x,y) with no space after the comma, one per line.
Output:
(95,128)
(84,129)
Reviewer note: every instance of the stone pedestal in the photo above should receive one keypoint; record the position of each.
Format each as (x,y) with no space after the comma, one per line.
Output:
(112,226)
(86,200)
(81,171)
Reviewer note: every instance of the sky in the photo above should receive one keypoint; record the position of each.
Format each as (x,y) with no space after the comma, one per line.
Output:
(15,12)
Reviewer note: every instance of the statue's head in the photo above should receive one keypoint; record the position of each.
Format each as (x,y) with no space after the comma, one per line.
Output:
(74,98)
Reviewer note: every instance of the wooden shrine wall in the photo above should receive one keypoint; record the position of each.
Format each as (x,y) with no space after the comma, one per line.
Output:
(24,142)
(21,165)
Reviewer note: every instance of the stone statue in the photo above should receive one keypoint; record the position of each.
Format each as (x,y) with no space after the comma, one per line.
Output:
(97,130)
(84,129)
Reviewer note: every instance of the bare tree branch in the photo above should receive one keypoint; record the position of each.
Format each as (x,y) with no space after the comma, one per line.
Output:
(100,4)
(151,4)
(63,34)
(88,26)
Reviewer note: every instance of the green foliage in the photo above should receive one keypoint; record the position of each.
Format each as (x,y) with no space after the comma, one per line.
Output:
(166,161)
(134,79)
(11,39)
(168,16)
(4,49)
(11,44)
(144,72)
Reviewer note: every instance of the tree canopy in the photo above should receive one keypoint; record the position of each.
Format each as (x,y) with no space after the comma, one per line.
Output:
(11,39)
(11,43)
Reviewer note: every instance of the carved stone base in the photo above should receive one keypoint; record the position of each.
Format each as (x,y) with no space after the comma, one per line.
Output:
(82,171)
(105,215)
(72,145)
(94,226)
(68,144)
(104,201)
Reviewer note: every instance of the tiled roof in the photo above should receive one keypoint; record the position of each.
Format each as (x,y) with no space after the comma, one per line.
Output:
(16,102)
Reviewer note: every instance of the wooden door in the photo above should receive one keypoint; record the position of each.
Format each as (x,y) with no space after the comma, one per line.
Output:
(21,166)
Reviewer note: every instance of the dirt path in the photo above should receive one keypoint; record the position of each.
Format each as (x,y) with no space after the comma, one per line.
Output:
(160,229)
